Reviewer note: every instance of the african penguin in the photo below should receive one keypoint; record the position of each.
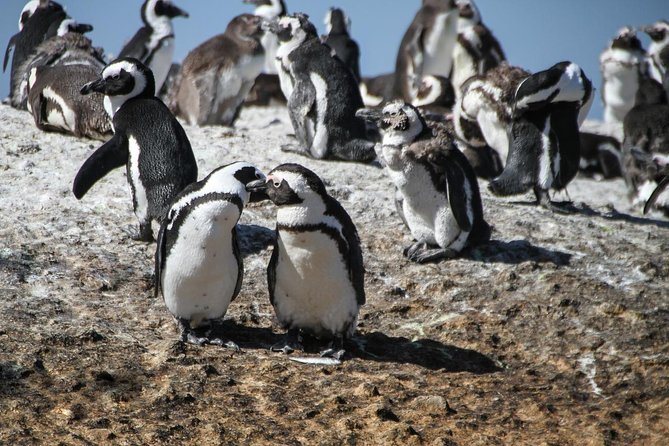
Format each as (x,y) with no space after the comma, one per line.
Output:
(147,139)
(621,65)
(338,38)
(476,49)
(600,155)
(316,273)
(217,75)
(27,11)
(435,95)
(482,113)
(658,50)
(646,145)
(153,43)
(199,267)
(41,25)
(426,47)
(322,95)
(374,89)
(269,10)
(440,199)
(545,142)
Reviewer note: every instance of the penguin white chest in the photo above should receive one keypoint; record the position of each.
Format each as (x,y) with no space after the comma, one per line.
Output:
(439,44)
(313,290)
(162,61)
(139,198)
(201,271)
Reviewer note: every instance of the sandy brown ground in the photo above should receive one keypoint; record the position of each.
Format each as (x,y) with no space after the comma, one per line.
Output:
(554,333)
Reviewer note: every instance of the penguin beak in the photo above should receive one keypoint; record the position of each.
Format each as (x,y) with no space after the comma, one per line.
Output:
(94,86)
(370,115)
(83,28)
(258,190)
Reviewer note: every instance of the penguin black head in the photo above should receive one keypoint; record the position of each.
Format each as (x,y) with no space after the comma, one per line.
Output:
(658,31)
(235,177)
(268,8)
(124,79)
(156,10)
(290,184)
(337,22)
(626,39)
(468,11)
(400,123)
(293,29)
(27,12)
(71,26)
(245,26)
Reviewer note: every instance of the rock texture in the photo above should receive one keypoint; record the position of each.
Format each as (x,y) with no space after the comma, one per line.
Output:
(556,332)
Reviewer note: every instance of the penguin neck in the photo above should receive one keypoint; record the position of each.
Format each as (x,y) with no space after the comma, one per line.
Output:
(161,27)
(285,48)
(309,212)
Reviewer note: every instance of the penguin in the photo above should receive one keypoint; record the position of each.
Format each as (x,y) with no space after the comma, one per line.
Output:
(322,95)
(545,141)
(621,65)
(440,199)
(57,106)
(374,89)
(269,10)
(658,50)
(476,49)
(338,38)
(217,75)
(483,112)
(600,155)
(316,273)
(41,25)
(27,11)
(435,95)
(147,139)
(199,267)
(68,47)
(646,145)
(153,43)
(426,47)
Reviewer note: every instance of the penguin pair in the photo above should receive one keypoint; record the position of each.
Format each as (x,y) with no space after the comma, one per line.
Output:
(545,143)
(439,199)
(147,139)
(316,274)
(322,95)
(153,43)
(217,75)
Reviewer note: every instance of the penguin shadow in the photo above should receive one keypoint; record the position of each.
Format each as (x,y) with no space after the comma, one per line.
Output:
(254,238)
(515,252)
(427,353)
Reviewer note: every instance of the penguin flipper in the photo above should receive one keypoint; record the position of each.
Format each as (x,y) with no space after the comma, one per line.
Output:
(135,46)
(301,104)
(112,154)
(10,46)
(160,255)
(656,193)
(458,188)
(240,264)
(271,268)
(519,173)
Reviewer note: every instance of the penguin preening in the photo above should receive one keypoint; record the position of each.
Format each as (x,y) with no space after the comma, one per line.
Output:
(440,199)
(476,49)
(338,38)
(153,43)
(199,267)
(426,47)
(621,64)
(545,142)
(217,75)
(147,139)
(322,93)
(316,273)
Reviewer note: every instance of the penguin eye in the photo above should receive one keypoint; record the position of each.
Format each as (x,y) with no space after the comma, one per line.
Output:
(116,77)
(276,183)
(259,175)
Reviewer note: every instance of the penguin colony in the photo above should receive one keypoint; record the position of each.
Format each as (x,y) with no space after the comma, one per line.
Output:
(452,110)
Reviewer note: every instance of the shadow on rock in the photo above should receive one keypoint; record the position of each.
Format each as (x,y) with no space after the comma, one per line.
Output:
(515,252)
(426,353)
(254,239)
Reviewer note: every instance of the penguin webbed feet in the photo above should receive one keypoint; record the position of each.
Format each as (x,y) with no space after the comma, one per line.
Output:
(543,199)
(335,349)
(188,335)
(144,234)
(293,148)
(422,252)
(291,342)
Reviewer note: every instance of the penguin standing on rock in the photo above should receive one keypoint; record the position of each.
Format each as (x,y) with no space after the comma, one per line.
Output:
(199,267)
(218,74)
(147,139)
(545,140)
(338,38)
(153,44)
(322,95)
(440,200)
(316,274)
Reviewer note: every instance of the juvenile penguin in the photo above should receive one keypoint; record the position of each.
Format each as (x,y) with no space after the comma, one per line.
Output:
(545,140)
(621,64)
(316,274)
(658,50)
(153,43)
(269,10)
(322,95)
(476,49)
(147,139)
(483,111)
(217,75)
(199,267)
(338,38)
(426,47)
(41,25)
(440,199)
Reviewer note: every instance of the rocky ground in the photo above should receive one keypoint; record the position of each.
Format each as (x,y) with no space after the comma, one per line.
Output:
(554,333)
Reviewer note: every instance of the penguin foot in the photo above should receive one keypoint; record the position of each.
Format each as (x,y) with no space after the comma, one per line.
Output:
(420,252)
(544,200)
(227,343)
(289,344)
(145,234)
(191,338)
(335,349)
(293,148)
